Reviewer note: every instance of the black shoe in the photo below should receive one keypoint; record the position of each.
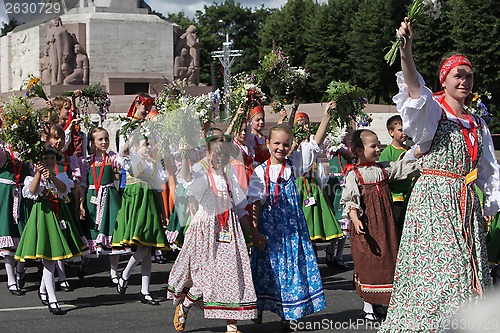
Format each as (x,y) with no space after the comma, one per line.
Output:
(20,278)
(81,270)
(65,286)
(289,325)
(15,291)
(372,317)
(55,309)
(339,263)
(147,299)
(44,298)
(121,287)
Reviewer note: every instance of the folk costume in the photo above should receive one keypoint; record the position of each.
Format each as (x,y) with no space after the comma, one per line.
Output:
(213,266)
(289,251)
(442,261)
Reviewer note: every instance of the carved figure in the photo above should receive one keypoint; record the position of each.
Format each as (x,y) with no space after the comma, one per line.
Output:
(61,44)
(80,74)
(182,64)
(191,42)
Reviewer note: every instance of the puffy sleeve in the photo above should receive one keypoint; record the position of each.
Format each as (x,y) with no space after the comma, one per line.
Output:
(26,188)
(238,195)
(420,115)
(488,179)
(62,176)
(80,168)
(116,160)
(351,197)
(303,160)
(198,185)
(402,169)
(257,186)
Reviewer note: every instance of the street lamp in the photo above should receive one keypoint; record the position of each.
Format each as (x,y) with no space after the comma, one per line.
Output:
(226,58)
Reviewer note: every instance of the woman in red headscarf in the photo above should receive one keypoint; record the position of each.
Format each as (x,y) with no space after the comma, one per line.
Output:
(256,140)
(442,262)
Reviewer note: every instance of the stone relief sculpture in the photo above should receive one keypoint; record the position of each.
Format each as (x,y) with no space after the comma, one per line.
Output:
(65,59)
(80,74)
(190,42)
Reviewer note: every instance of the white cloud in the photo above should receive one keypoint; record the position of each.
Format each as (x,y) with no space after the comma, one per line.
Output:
(191,6)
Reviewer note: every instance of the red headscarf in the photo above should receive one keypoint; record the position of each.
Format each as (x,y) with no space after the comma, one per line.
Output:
(446,67)
(300,115)
(256,110)
(138,100)
(450,63)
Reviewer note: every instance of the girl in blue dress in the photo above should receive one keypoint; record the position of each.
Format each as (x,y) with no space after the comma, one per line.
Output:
(284,268)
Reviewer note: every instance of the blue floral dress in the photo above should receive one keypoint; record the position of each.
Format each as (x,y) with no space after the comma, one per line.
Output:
(286,275)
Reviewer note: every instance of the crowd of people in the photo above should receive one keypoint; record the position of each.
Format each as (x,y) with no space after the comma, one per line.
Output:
(250,209)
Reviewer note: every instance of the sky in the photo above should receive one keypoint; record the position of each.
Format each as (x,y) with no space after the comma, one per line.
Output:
(174,6)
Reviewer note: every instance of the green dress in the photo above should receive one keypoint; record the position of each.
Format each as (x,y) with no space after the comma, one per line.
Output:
(139,218)
(50,232)
(101,217)
(335,186)
(12,227)
(320,218)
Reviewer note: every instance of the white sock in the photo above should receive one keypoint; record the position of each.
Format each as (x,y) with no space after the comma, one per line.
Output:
(48,280)
(9,269)
(232,326)
(367,307)
(134,260)
(146,272)
(61,274)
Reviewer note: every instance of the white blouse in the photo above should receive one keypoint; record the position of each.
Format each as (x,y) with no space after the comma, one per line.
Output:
(421,118)
(200,184)
(301,160)
(62,176)
(351,195)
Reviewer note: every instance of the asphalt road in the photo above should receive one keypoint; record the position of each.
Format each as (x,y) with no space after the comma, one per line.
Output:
(94,306)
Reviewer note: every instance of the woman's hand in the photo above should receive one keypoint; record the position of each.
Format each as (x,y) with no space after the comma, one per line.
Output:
(405,31)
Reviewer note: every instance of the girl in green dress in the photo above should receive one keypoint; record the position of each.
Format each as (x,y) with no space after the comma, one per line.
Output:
(139,219)
(12,174)
(50,233)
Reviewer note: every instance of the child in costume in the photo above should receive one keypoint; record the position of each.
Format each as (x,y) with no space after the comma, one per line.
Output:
(367,202)
(12,215)
(393,152)
(278,215)
(339,161)
(139,219)
(256,140)
(321,221)
(214,241)
(50,233)
(103,199)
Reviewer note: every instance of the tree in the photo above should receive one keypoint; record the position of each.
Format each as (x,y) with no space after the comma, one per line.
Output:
(328,47)
(8,27)
(287,28)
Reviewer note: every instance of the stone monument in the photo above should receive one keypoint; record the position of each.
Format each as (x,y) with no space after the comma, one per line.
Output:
(115,42)
(187,52)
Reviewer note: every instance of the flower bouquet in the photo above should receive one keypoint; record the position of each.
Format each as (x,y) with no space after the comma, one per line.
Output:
(245,94)
(334,140)
(22,126)
(477,107)
(351,101)
(95,95)
(415,10)
(169,98)
(283,80)
(34,87)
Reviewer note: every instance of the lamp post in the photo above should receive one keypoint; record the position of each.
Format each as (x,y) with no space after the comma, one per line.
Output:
(226,58)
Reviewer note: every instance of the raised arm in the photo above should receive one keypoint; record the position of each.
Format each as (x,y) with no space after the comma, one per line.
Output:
(323,126)
(407,63)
